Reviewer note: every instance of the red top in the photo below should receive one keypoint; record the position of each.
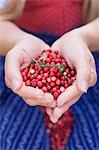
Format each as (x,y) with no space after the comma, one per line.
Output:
(54,16)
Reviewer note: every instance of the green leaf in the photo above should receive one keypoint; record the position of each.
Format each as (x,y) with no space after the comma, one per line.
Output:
(42,65)
(43,57)
(54,65)
(61,68)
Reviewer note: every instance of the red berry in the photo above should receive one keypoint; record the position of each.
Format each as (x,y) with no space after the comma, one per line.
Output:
(59,60)
(54,55)
(63,78)
(62,82)
(52,74)
(52,84)
(28,83)
(24,78)
(45,69)
(54,89)
(56,60)
(69,75)
(39,83)
(26,70)
(31,77)
(58,82)
(39,77)
(58,74)
(34,84)
(49,87)
(53,79)
(46,75)
(35,75)
(55,70)
(28,75)
(56,52)
(49,80)
(62,89)
(69,82)
(41,72)
(48,60)
(72,73)
(44,81)
(56,94)
(52,69)
(67,70)
(23,73)
(58,91)
(44,89)
(66,85)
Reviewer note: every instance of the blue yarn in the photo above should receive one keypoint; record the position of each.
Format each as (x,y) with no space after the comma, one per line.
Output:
(22,126)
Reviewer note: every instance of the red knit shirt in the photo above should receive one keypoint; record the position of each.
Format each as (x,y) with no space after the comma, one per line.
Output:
(54,16)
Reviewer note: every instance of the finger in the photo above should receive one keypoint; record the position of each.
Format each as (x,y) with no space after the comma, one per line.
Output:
(59,111)
(29,92)
(82,64)
(12,71)
(49,97)
(49,111)
(38,102)
(93,73)
(71,92)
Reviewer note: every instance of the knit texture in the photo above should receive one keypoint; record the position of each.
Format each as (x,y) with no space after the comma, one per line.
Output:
(22,127)
(53,16)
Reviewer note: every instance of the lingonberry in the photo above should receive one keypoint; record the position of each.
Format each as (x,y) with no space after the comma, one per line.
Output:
(44,89)
(44,81)
(58,82)
(28,83)
(49,80)
(39,77)
(25,78)
(56,94)
(45,69)
(45,75)
(62,89)
(52,84)
(23,73)
(49,87)
(40,84)
(34,84)
(53,79)
(50,77)
(54,89)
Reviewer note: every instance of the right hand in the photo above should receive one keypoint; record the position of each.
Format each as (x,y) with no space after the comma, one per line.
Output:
(16,58)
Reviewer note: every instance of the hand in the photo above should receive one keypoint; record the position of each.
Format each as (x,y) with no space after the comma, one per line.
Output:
(16,58)
(75,50)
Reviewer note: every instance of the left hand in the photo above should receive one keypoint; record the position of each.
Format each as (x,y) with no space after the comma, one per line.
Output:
(75,50)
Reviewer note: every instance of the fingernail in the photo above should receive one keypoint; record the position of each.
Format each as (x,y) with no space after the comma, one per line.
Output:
(84,86)
(15,84)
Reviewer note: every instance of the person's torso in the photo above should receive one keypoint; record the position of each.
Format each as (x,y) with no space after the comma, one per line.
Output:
(54,16)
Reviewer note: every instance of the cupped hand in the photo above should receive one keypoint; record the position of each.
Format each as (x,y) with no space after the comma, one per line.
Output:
(15,60)
(75,50)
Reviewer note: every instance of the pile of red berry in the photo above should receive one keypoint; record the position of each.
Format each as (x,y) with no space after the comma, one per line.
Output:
(51,73)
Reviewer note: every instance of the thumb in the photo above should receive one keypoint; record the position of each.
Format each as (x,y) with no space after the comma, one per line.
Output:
(83,75)
(12,71)
(56,45)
